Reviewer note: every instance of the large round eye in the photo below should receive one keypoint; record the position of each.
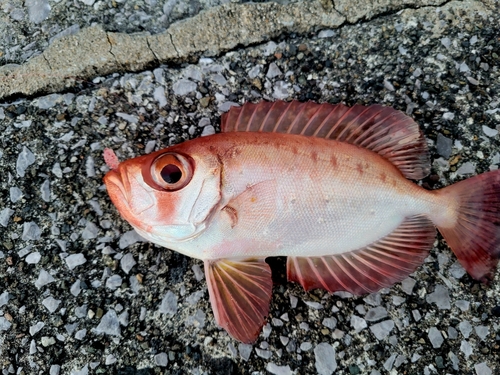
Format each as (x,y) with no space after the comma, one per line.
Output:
(171,171)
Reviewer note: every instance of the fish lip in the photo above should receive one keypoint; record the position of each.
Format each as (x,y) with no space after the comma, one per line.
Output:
(118,180)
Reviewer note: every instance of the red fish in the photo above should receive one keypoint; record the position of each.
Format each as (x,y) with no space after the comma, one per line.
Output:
(325,185)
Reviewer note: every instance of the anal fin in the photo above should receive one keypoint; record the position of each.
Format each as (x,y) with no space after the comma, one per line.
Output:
(240,293)
(379,265)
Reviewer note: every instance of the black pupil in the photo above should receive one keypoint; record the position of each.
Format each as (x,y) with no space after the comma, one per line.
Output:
(171,174)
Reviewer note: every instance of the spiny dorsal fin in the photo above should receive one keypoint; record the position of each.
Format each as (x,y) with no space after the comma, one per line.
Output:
(384,130)
(379,265)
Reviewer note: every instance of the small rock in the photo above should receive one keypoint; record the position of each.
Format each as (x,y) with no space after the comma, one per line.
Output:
(51,303)
(440,297)
(383,329)
(75,260)
(109,324)
(184,87)
(489,131)
(376,314)
(161,359)
(127,262)
(435,337)
(169,304)
(443,146)
(482,369)
(245,351)
(278,370)
(324,355)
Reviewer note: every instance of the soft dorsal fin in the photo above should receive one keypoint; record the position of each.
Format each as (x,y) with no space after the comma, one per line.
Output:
(384,130)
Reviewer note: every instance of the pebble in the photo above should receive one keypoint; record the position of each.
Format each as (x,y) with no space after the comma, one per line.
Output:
(383,329)
(462,304)
(254,72)
(114,282)
(159,95)
(91,231)
(482,369)
(328,33)
(38,10)
(305,346)
(184,87)
(169,304)
(273,71)
(314,305)
(80,335)
(130,118)
(279,370)
(440,297)
(443,146)
(358,323)
(465,328)
(4,324)
(127,262)
(482,332)
(75,260)
(43,279)
(324,355)
(198,273)
(208,130)
(376,314)
(245,350)
(15,194)
(51,304)
(489,131)
(33,258)
(34,329)
(466,348)
(196,320)
(266,354)
(31,231)
(435,337)
(24,160)
(129,238)
(109,324)
(161,359)
(330,323)
(448,116)
(4,298)
(5,216)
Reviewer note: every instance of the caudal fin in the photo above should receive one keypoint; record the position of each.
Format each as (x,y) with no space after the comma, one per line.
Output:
(475,236)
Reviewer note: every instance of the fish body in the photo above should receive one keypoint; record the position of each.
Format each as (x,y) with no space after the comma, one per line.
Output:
(325,186)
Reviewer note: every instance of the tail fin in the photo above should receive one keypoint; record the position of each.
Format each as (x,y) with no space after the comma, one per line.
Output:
(475,236)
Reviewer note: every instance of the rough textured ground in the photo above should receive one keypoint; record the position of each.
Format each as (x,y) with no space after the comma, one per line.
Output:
(81,294)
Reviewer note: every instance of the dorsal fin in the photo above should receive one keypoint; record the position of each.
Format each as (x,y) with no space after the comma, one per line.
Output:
(384,130)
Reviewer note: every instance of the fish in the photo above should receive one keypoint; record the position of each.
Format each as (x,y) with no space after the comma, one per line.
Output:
(327,186)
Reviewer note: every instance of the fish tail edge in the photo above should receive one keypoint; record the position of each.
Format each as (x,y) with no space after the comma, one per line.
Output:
(474,234)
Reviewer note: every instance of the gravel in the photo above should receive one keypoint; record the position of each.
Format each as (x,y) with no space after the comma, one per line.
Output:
(82,293)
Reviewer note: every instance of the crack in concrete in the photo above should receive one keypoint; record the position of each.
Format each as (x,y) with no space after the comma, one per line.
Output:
(47,61)
(157,60)
(173,44)
(111,49)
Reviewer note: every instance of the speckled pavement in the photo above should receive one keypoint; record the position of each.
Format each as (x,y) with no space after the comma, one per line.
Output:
(80,293)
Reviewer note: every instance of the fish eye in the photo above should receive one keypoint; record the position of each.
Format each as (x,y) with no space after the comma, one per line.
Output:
(171,171)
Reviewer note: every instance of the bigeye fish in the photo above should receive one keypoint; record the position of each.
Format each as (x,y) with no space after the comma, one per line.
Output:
(327,186)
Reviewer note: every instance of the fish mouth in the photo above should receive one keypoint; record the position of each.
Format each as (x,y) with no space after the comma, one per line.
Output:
(116,184)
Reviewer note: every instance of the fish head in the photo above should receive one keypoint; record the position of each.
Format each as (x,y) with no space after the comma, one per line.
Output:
(168,196)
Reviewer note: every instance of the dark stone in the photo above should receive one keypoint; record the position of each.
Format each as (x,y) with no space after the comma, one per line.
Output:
(496,311)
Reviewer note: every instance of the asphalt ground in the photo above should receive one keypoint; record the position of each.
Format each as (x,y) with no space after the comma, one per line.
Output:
(81,293)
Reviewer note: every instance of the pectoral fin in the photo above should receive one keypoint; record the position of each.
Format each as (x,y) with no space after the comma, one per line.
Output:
(240,293)
(379,265)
